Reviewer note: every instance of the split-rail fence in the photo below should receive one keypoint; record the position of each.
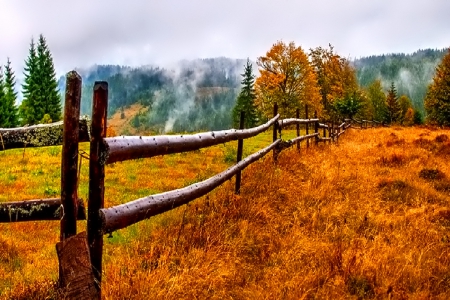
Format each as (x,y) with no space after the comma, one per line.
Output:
(81,278)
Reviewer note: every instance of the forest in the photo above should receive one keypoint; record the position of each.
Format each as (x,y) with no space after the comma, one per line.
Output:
(200,94)
(411,73)
(196,95)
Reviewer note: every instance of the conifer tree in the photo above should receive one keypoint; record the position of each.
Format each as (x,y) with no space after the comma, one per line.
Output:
(10,112)
(437,100)
(393,107)
(40,91)
(2,101)
(27,109)
(246,99)
(49,94)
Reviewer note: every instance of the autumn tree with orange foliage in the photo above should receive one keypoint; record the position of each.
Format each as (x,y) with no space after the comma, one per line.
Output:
(335,76)
(286,78)
(437,100)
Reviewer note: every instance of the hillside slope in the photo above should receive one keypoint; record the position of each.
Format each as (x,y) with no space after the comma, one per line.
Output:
(367,218)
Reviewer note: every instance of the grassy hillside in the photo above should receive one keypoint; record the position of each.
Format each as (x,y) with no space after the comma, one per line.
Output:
(367,218)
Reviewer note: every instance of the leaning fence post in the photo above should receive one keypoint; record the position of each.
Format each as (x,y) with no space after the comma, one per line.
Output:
(237,190)
(275,127)
(307,125)
(297,115)
(69,156)
(97,177)
(316,128)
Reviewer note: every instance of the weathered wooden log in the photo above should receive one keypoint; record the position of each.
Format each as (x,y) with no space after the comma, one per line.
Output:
(326,139)
(342,125)
(323,125)
(97,178)
(36,210)
(132,147)
(77,279)
(240,149)
(293,121)
(69,156)
(304,137)
(121,216)
(39,135)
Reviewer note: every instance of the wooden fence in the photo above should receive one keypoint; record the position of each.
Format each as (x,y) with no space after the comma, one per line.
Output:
(86,281)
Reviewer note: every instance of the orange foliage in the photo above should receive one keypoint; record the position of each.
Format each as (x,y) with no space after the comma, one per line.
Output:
(286,79)
(336,77)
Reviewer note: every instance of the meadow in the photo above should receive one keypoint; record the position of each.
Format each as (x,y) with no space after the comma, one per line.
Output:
(366,218)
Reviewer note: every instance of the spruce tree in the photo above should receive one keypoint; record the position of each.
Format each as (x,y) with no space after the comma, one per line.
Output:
(393,107)
(246,99)
(11,111)
(3,111)
(40,90)
(437,100)
(49,94)
(29,107)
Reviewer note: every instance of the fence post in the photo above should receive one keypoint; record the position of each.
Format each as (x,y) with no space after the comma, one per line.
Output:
(338,130)
(332,131)
(316,128)
(237,190)
(275,127)
(96,178)
(324,132)
(307,125)
(297,115)
(69,156)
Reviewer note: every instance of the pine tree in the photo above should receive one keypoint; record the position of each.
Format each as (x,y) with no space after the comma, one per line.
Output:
(49,94)
(393,107)
(10,113)
(28,108)
(246,99)
(437,100)
(3,109)
(40,89)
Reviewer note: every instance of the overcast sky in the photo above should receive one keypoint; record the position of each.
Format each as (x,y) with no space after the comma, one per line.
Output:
(134,32)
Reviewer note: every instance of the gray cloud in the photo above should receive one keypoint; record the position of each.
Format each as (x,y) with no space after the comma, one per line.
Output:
(81,33)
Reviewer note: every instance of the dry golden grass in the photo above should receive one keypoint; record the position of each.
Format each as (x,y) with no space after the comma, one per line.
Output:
(367,218)
(123,125)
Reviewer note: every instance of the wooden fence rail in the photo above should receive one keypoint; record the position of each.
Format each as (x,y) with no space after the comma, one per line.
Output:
(37,210)
(123,148)
(40,135)
(69,208)
(105,151)
(121,216)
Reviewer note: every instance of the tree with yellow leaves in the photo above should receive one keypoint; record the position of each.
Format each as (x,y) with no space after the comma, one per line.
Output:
(286,78)
(437,100)
(335,76)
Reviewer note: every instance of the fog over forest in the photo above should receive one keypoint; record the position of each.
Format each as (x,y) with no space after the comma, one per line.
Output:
(199,94)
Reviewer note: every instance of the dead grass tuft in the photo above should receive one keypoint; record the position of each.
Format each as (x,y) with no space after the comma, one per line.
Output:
(441,138)
(393,160)
(431,174)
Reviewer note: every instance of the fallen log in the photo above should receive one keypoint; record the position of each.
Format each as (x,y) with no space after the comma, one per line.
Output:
(39,135)
(36,210)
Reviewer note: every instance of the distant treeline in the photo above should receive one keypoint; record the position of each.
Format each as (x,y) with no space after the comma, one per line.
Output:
(411,73)
(194,95)
(200,94)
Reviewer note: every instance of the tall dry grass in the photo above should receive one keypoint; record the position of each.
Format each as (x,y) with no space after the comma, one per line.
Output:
(367,218)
